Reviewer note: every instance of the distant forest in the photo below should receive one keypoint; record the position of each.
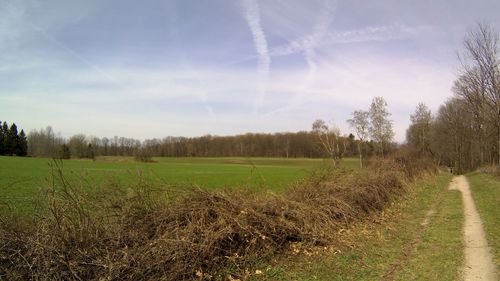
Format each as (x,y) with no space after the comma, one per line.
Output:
(45,143)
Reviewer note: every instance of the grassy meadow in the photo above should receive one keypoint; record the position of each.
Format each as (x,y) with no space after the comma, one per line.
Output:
(21,179)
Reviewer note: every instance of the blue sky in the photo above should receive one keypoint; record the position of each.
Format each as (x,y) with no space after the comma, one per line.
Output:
(147,69)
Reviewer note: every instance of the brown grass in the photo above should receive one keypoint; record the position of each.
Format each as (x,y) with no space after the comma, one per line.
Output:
(91,233)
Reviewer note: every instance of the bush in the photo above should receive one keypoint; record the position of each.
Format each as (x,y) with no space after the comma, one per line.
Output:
(144,155)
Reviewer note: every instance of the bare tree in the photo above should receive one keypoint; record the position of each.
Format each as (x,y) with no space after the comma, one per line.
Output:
(360,123)
(78,145)
(454,130)
(380,130)
(418,134)
(44,142)
(328,138)
(479,83)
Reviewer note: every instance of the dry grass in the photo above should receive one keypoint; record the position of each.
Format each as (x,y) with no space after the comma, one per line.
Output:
(99,234)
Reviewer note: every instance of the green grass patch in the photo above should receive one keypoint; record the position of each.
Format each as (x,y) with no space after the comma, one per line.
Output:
(394,246)
(439,255)
(21,179)
(486,193)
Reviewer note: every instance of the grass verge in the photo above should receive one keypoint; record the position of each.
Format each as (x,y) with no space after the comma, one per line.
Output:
(392,246)
(486,193)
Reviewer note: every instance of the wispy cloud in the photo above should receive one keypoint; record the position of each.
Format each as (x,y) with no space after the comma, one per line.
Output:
(11,17)
(361,35)
(367,34)
(17,12)
(252,16)
(185,63)
(320,30)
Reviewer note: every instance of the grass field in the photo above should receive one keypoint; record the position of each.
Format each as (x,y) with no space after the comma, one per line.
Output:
(22,178)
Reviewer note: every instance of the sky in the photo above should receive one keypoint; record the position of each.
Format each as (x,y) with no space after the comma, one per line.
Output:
(150,69)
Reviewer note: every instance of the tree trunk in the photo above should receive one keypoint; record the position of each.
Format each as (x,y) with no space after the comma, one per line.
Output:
(360,155)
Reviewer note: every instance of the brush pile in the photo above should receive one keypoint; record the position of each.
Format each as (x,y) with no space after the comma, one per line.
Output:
(143,234)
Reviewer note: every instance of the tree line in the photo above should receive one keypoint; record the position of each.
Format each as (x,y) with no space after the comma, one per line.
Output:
(12,142)
(303,144)
(373,129)
(465,132)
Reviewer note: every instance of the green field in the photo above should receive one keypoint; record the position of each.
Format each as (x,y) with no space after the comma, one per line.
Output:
(22,178)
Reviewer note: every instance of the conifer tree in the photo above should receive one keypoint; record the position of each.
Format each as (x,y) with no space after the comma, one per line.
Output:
(2,139)
(12,141)
(23,144)
(5,132)
(65,152)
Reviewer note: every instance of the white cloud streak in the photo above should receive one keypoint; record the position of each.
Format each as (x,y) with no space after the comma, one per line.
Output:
(362,35)
(191,72)
(10,28)
(17,14)
(367,34)
(308,48)
(252,16)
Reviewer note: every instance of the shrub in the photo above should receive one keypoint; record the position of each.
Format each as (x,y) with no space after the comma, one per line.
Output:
(143,155)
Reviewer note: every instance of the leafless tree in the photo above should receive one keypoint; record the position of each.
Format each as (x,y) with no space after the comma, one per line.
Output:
(380,130)
(418,134)
(328,137)
(479,83)
(360,123)
(44,142)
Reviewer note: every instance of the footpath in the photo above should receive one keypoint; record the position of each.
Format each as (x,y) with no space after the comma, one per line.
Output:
(479,263)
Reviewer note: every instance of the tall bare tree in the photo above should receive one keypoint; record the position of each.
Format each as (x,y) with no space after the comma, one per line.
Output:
(479,83)
(380,130)
(418,134)
(360,123)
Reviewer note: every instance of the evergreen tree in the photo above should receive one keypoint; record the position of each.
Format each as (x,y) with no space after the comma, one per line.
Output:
(12,139)
(23,144)
(5,132)
(65,152)
(2,138)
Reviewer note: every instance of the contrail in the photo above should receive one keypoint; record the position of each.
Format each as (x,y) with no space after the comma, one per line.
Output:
(319,32)
(202,94)
(367,34)
(252,16)
(76,55)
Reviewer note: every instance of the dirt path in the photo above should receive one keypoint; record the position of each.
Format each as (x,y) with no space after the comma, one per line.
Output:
(479,263)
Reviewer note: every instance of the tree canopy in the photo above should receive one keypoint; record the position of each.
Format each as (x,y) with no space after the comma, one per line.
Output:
(12,142)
